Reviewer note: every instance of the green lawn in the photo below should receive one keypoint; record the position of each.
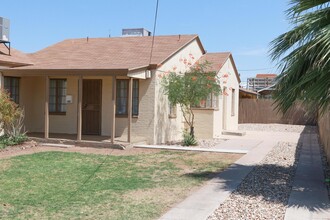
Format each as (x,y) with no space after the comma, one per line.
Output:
(58,185)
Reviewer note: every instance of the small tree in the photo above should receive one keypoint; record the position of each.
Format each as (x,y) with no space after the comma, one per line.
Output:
(11,119)
(188,89)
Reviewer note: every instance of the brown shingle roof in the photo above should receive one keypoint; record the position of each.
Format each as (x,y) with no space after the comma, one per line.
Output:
(108,53)
(217,60)
(15,59)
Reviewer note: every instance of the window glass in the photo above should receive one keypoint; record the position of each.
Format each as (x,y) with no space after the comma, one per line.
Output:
(57,95)
(122,97)
(233,94)
(11,84)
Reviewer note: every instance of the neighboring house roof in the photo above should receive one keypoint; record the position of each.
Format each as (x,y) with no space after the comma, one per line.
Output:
(267,75)
(15,59)
(266,89)
(248,91)
(217,60)
(109,53)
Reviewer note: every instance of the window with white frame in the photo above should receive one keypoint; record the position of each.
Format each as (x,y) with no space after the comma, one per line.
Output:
(211,101)
(172,111)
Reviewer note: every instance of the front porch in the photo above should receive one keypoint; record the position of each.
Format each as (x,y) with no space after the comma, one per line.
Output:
(77,111)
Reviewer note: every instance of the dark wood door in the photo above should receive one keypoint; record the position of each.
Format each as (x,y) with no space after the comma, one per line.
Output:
(91,106)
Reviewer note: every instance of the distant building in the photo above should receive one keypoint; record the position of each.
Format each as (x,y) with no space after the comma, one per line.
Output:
(261,81)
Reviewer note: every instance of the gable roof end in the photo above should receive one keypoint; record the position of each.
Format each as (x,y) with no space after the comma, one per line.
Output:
(217,60)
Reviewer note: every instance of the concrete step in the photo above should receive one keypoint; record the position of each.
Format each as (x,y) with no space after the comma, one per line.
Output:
(235,133)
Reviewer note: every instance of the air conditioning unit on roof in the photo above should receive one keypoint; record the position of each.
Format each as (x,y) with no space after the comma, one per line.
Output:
(4,29)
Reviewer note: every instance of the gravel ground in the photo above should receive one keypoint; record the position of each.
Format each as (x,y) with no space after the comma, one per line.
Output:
(210,143)
(276,127)
(264,193)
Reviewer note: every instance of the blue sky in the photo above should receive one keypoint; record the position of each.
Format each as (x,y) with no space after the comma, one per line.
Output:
(242,27)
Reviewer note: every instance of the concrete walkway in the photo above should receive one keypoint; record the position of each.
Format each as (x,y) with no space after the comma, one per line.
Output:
(202,204)
(174,147)
(308,199)
(309,196)
(235,146)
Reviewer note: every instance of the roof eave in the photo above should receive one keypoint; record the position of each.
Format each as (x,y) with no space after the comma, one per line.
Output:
(235,68)
(64,72)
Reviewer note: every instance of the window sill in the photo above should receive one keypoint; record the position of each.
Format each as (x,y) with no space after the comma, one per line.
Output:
(214,109)
(172,116)
(126,116)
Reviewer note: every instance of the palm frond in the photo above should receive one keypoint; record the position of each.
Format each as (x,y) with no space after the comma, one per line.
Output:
(303,54)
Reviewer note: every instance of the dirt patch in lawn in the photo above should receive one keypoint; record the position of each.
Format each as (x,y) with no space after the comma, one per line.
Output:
(32,147)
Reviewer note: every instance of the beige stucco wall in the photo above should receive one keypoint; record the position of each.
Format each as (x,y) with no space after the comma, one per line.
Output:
(143,124)
(32,97)
(167,128)
(231,121)
(204,119)
(217,122)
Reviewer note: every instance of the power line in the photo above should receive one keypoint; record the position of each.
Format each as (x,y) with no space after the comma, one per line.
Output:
(154,31)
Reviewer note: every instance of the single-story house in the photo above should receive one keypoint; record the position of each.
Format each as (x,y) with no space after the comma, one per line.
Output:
(110,87)
(267,92)
(247,94)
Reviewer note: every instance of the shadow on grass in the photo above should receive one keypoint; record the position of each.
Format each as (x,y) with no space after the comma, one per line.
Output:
(204,175)
(274,183)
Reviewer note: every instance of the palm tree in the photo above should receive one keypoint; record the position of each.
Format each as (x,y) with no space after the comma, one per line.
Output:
(304,56)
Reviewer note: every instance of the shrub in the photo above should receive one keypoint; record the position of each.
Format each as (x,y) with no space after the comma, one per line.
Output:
(11,117)
(12,140)
(188,139)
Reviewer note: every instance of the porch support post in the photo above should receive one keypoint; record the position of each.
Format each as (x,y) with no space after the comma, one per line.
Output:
(113,117)
(2,81)
(46,130)
(79,108)
(129,109)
